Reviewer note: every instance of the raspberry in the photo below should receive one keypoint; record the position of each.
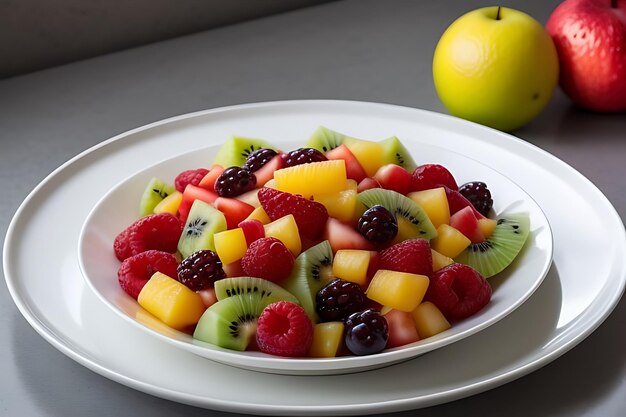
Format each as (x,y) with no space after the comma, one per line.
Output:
(234,181)
(156,231)
(479,195)
(136,270)
(200,270)
(412,255)
(366,332)
(430,176)
(191,176)
(268,258)
(310,215)
(258,158)
(338,299)
(303,156)
(378,224)
(458,291)
(284,329)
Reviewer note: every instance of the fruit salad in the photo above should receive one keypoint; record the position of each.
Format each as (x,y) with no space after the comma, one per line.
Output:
(344,246)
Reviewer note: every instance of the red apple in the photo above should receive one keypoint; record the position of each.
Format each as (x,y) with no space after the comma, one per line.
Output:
(590,38)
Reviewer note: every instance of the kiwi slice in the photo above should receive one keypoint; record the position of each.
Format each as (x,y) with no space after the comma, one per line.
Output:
(155,192)
(413,222)
(324,139)
(396,153)
(229,287)
(231,323)
(311,271)
(236,149)
(500,249)
(202,223)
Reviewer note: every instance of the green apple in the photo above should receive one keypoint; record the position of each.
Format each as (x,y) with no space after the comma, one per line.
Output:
(495,66)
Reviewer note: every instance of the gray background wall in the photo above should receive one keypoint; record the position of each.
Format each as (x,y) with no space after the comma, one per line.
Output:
(36,34)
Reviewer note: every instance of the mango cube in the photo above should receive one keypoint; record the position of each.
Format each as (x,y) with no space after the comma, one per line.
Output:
(340,205)
(327,339)
(285,229)
(399,290)
(487,226)
(371,155)
(230,245)
(169,204)
(439,260)
(449,241)
(260,215)
(310,179)
(171,302)
(351,265)
(435,203)
(429,320)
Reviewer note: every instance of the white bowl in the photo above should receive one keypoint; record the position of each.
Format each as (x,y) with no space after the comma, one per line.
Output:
(119,208)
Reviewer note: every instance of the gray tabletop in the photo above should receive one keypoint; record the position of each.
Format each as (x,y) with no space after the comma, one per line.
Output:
(358,50)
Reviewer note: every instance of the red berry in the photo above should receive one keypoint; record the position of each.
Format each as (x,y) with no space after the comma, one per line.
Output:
(191,176)
(268,258)
(430,176)
(156,231)
(121,246)
(200,270)
(457,202)
(310,215)
(413,256)
(284,329)
(137,270)
(458,291)
(252,229)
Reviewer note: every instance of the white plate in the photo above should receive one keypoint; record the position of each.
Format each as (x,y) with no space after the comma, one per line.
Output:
(118,208)
(564,310)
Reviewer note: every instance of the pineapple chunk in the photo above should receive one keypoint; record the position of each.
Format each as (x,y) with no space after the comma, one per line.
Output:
(285,229)
(230,245)
(260,215)
(309,179)
(429,320)
(171,302)
(169,204)
(400,290)
(435,204)
(370,154)
(327,339)
(449,241)
(351,265)
(439,260)
(340,205)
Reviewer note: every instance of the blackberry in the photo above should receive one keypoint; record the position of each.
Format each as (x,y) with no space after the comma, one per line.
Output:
(479,195)
(338,299)
(303,156)
(200,270)
(366,332)
(258,158)
(235,181)
(378,224)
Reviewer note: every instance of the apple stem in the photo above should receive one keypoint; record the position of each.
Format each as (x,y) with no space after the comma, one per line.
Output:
(499,7)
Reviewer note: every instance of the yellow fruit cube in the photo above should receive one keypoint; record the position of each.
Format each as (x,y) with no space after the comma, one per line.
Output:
(171,302)
(400,290)
(327,339)
(260,215)
(429,320)
(285,229)
(315,178)
(169,204)
(351,265)
(439,260)
(340,205)
(369,154)
(487,226)
(230,245)
(449,241)
(435,204)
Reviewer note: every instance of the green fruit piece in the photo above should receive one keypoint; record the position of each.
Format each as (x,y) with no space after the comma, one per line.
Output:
(311,271)
(236,149)
(396,153)
(231,323)
(202,223)
(416,218)
(155,192)
(229,287)
(496,253)
(324,139)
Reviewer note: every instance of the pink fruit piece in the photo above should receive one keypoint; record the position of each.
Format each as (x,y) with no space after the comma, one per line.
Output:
(458,291)
(268,258)
(412,255)
(457,202)
(354,170)
(235,211)
(156,231)
(310,216)
(252,229)
(394,177)
(367,184)
(344,236)
(137,270)
(191,176)
(284,329)
(428,176)
(466,222)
